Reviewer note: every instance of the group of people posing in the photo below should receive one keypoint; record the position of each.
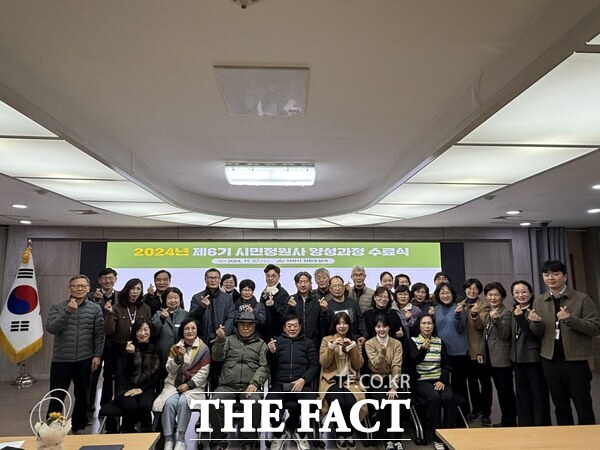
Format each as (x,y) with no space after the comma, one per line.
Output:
(160,356)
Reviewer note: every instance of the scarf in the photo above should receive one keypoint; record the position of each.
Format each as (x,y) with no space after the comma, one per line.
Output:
(196,356)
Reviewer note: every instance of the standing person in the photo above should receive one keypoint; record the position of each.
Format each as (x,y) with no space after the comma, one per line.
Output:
(188,366)
(451,325)
(419,294)
(313,313)
(567,321)
(77,326)
(137,379)
(407,312)
(359,291)
(479,375)
(428,354)
(212,308)
(295,365)
(386,279)
(247,302)
(322,279)
(152,298)
(402,280)
(168,319)
(340,302)
(117,325)
(382,306)
(107,279)
(229,286)
(533,402)
(275,299)
(495,352)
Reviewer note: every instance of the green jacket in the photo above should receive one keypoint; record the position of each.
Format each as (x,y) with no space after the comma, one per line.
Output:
(578,334)
(243,362)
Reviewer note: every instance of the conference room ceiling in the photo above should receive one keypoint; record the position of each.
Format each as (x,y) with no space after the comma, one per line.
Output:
(418,113)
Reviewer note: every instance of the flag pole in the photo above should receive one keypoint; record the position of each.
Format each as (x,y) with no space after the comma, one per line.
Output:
(24,380)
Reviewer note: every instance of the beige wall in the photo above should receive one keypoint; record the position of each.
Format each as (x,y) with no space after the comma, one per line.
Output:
(500,254)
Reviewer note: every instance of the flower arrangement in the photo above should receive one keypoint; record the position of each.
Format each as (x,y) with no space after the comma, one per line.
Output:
(50,433)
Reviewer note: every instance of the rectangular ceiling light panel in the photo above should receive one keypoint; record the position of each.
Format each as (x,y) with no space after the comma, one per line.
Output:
(136,209)
(562,108)
(498,165)
(358,220)
(303,224)
(438,194)
(405,211)
(264,91)
(265,174)
(13,123)
(94,190)
(50,159)
(189,218)
(246,223)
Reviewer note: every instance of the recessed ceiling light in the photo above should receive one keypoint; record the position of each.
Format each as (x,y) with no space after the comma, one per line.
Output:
(525,224)
(513,212)
(596,187)
(18,206)
(25,222)
(594,210)
(270,174)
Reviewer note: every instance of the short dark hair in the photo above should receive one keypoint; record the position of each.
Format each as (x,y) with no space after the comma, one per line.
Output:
(338,277)
(270,267)
(107,271)
(415,287)
(526,283)
(156,274)
(123,296)
(553,265)
(438,288)
(338,316)
(227,276)
(184,323)
(381,318)
(167,291)
(469,281)
(378,291)
(80,277)
(212,269)
(495,285)
(385,273)
(247,283)
(302,274)
(420,319)
(441,273)
(136,325)
(397,279)
(289,317)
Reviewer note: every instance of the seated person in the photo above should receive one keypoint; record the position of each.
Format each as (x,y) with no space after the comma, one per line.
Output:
(385,361)
(433,372)
(341,359)
(188,366)
(245,371)
(138,376)
(296,365)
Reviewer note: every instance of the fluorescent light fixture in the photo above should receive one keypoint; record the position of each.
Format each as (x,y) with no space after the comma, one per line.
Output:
(16,205)
(246,223)
(137,209)
(562,108)
(438,194)
(270,174)
(594,41)
(191,218)
(513,212)
(94,190)
(525,224)
(264,91)
(25,222)
(596,187)
(405,211)
(50,159)
(495,164)
(594,211)
(303,223)
(13,123)
(358,220)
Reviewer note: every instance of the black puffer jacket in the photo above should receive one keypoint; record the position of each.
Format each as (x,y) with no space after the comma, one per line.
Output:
(294,359)
(78,335)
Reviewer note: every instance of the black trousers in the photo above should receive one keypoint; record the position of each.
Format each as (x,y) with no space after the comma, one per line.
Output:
(533,401)
(137,408)
(61,376)
(480,388)
(503,380)
(570,380)
(289,399)
(436,401)
(458,376)
(346,400)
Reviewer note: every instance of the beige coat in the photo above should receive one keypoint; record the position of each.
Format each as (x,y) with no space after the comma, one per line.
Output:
(475,326)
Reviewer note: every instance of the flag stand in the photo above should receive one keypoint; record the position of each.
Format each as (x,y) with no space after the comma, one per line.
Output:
(24,380)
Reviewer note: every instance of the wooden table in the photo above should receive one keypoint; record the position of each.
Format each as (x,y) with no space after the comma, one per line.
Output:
(584,437)
(134,441)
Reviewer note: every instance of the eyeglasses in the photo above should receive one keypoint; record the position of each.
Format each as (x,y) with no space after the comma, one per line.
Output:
(213,278)
(79,286)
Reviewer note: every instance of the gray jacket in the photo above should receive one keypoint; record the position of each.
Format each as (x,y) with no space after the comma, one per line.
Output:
(78,335)
(525,346)
(497,333)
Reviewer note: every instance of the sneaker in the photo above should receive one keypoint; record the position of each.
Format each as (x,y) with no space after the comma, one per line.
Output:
(390,446)
(486,421)
(277,442)
(399,446)
(180,445)
(438,445)
(474,417)
(168,444)
(341,444)
(300,441)
(351,443)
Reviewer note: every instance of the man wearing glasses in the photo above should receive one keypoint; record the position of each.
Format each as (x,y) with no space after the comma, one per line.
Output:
(78,329)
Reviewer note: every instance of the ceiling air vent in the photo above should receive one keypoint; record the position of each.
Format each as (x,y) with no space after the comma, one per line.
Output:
(83,212)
